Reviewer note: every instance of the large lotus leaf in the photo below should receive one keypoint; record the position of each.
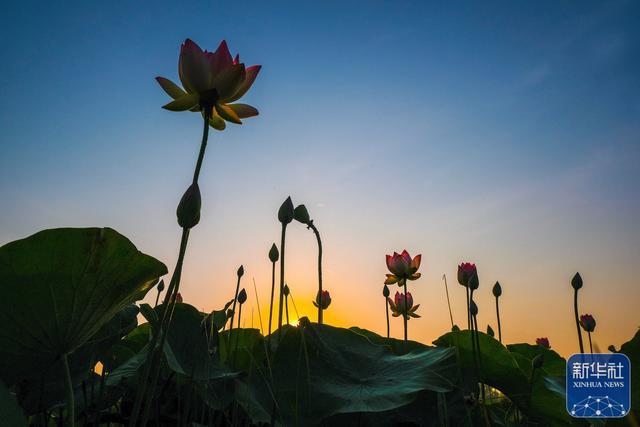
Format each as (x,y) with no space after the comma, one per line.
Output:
(187,346)
(632,350)
(319,371)
(10,413)
(396,345)
(59,288)
(242,348)
(47,390)
(501,369)
(554,364)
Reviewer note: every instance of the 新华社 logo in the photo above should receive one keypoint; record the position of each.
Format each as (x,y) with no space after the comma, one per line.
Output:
(598,385)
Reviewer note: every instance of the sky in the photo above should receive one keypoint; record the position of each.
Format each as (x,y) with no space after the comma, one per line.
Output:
(501,133)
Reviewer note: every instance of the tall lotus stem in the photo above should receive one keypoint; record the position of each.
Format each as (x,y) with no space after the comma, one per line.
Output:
(576,283)
(590,345)
(240,273)
(446,289)
(302,215)
(468,309)
(159,288)
(273,257)
(385,294)
(406,314)
(242,298)
(285,216)
(465,271)
(497,292)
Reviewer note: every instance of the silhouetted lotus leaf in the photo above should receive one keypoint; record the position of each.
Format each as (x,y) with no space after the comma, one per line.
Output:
(632,350)
(187,346)
(320,371)
(242,348)
(59,288)
(554,364)
(503,370)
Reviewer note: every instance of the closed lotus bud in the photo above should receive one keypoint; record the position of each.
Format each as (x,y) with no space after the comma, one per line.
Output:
(473,308)
(286,290)
(576,282)
(385,291)
(543,342)
(285,213)
(242,296)
(474,283)
(188,211)
(322,300)
(490,331)
(240,271)
(537,361)
(497,290)
(229,313)
(302,215)
(465,271)
(274,255)
(161,286)
(179,298)
(455,328)
(587,322)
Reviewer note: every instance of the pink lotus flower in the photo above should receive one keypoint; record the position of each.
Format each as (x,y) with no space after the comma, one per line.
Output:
(587,322)
(543,342)
(466,271)
(322,300)
(402,267)
(403,306)
(211,80)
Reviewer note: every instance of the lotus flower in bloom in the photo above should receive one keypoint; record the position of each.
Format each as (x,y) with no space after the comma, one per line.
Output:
(466,271)
(402,267)
(211,82)
(322,300)
(543,342)
(403,306)
(587,322)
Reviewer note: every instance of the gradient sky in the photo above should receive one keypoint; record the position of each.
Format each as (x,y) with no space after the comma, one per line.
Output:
(506,134)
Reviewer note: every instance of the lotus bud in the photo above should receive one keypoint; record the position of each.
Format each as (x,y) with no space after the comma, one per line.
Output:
(179,298)
(160,286)
(240,271)
(188,211)
(301,214)
(497,290)
(543,342)
(576,282)
(286,290)
(274,255)
(473,308)
(242,296)
(537,361)
(455,328)
(385,291)
(490,331)
(612,349)
(229,313)
(465,271)
(322,300)
(285,213)
(587,322)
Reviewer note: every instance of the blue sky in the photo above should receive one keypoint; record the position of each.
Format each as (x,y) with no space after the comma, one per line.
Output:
(502,133)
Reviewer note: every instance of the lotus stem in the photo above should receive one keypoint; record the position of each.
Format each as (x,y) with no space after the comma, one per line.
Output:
(273,285)
(235,300)
(446,288)
(386,300)
(282,249)
(468,309)
(315,231)
(155,353)
(406,314)
(575,309)
(590,345)
(498,315)
(68,385)
(286,306)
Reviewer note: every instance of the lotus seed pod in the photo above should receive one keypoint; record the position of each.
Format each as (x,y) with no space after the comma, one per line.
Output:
(301,214)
